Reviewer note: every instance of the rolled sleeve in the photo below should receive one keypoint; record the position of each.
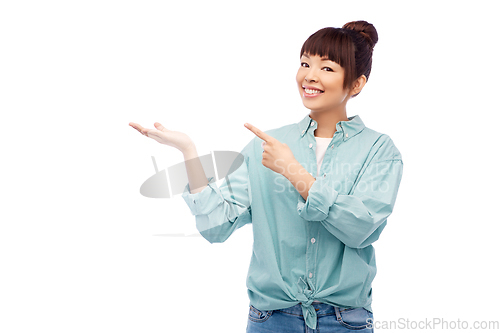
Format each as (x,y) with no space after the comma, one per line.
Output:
(320,198)
(220,210)
(356,219)
(205,201)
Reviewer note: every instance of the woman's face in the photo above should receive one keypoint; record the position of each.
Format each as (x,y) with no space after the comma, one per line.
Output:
(320,82)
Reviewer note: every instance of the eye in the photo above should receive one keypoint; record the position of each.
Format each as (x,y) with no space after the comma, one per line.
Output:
(328,69)
(304,64)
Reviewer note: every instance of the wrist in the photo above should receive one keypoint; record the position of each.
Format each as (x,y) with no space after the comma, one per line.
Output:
(190,150)
(293,169)
(300,178)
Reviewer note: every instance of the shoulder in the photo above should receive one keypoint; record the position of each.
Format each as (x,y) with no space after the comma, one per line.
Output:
(383,147)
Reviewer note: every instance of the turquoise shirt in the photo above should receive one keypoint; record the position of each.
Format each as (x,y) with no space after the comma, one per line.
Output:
(319,249)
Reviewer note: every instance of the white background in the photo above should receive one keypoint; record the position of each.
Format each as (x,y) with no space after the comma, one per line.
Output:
(79,245)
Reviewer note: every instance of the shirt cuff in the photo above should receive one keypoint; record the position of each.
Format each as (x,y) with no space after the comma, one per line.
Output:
(320,198)
(205,201)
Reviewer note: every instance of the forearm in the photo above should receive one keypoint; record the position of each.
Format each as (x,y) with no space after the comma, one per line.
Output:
(196,174)
(300,178)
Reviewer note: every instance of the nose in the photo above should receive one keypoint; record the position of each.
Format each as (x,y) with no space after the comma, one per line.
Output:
(311,76)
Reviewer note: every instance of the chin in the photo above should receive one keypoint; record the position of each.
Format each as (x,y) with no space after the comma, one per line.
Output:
(312,106)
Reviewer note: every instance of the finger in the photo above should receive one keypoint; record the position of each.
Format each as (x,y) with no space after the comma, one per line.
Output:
(159,126)
(259,133)
(136,126)
(139,128)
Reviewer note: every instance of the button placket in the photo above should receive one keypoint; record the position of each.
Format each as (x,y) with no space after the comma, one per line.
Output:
(312,251)
(311,155)
(331,153)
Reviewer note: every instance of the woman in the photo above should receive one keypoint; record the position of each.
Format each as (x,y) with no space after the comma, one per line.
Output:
(317,193)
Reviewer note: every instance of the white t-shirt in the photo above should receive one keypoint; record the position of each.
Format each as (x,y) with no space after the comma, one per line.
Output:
(321,146)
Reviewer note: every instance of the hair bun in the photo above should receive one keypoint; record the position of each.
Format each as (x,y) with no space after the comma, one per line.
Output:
(367,30)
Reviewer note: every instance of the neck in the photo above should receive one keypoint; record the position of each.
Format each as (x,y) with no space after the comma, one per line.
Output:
(327,122)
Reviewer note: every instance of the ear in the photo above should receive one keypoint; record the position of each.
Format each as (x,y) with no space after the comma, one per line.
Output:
(358,85)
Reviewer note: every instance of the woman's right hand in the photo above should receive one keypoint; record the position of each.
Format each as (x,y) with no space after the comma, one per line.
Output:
(164,136)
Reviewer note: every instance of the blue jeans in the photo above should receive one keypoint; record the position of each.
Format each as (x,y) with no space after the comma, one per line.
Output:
(290,320)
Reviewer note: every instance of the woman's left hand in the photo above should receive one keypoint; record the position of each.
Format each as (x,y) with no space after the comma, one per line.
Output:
(276,156)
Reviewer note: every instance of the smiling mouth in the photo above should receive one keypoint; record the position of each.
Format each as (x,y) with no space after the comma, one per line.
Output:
(310,91)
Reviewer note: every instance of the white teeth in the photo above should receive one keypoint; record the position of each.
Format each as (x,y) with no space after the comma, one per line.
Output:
(311,91)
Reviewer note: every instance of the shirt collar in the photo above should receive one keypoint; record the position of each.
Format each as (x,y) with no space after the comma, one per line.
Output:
(348,128)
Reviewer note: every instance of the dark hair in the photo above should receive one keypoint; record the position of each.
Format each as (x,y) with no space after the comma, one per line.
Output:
(350,46)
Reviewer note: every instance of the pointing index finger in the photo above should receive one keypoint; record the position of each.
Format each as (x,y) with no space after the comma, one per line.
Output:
(259,133)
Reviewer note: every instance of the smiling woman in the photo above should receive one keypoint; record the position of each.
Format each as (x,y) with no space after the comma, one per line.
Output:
(313,261)
(313,222)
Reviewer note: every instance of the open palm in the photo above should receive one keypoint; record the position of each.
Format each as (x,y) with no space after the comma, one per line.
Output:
(165,136)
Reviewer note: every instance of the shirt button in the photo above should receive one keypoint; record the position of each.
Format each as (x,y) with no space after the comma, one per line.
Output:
(303,131)
(310,145)
(346,135)
(312,123)
(324,175)
(194,201)
(310,275)
(313,240)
